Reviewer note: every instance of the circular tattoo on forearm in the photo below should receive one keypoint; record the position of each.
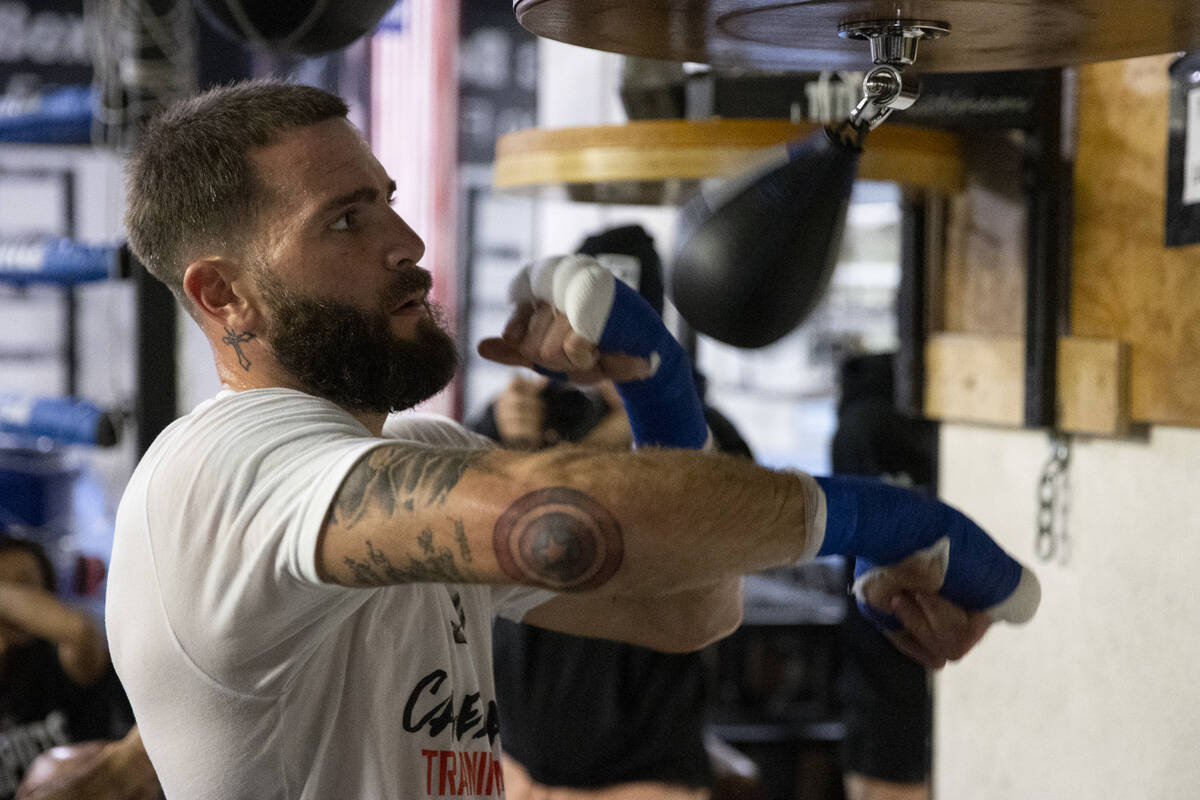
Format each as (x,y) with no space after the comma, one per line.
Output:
(558,538)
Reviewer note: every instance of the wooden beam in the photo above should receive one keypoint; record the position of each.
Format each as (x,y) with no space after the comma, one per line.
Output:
(981,378)
(671,150)
(975,378)
(1093,386)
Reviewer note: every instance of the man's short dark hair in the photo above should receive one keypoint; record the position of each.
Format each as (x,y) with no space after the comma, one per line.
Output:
(191,190)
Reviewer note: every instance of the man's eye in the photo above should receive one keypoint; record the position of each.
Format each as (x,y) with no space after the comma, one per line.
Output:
(344,223)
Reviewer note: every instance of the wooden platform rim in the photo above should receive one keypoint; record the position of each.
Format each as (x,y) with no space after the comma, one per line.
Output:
(663,150)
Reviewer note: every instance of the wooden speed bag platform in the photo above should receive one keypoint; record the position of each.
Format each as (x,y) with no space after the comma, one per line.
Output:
(984,34)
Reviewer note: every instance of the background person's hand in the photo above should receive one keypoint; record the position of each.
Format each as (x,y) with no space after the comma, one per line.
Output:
(8,637)
(94,770)
(613,432)
(520,413)
(28,611)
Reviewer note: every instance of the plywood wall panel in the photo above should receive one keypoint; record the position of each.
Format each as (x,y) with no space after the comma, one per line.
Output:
(1126,285)
(986,243)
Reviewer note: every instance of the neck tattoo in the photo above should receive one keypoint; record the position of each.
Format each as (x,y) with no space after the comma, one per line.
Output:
(235,340)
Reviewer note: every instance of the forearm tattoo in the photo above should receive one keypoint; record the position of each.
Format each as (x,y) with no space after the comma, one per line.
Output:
(236,340)
(556,537)
(559,538)
(436,565)
(400,477)
(395,480)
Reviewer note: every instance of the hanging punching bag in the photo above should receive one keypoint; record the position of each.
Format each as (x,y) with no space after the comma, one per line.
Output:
(307,27)
(753,258)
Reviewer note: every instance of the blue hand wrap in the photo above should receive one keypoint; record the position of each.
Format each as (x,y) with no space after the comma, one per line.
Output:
(664,410)
(885,524)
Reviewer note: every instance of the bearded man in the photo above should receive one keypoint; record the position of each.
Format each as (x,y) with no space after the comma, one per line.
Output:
(302,587)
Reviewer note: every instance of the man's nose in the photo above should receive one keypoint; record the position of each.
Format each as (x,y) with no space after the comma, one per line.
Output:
(407,248)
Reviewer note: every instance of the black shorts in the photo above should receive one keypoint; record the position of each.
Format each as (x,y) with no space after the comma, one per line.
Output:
(589,713)
(886,706)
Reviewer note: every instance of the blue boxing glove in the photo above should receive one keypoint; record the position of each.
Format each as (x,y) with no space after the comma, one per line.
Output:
(882,525)
(28,260)
(64,419)
(664,409)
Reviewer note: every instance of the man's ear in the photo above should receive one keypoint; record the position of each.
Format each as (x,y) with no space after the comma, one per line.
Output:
(218,288)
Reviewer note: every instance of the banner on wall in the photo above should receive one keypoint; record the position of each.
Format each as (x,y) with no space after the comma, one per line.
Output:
(497,79)
(961,101)
(42,43)
(497,94)
(413,134)
(1183,153)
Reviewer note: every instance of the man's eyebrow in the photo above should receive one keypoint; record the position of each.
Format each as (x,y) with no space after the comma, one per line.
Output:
(365,194)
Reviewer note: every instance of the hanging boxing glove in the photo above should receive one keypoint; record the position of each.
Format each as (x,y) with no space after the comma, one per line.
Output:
(54,116)
(62,419)
(54,260)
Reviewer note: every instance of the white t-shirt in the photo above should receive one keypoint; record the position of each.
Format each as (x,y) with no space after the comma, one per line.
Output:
(248,676)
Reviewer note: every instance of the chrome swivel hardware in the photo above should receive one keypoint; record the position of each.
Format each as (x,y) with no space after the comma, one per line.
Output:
(893,48)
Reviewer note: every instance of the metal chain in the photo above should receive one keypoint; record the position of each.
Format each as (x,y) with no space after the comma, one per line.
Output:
(1053,497)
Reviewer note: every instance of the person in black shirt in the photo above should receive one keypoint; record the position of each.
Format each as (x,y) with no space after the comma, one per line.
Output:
(885,695)
(589,714)
(54,667)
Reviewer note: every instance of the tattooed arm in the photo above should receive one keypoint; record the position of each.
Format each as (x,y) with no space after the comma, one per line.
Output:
(633,541)
(383,526)
(573,520)
(646,547)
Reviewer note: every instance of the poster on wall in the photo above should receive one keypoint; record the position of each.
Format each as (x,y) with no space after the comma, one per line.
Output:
(960,101)
(497,94)
(42,43)
(1183,153)
(45,72)
(497,79)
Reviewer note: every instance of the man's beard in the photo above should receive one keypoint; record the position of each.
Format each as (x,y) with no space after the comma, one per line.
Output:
(351,356)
